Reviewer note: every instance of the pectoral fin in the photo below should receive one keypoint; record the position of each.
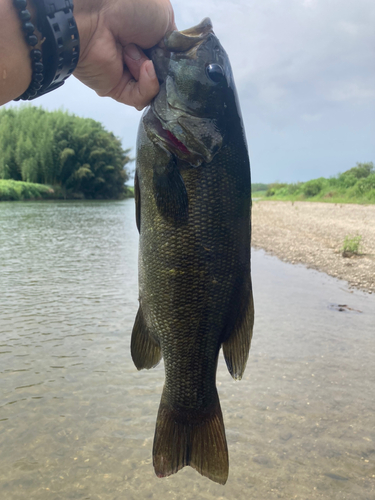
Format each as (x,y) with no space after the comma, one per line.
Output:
(239,332)
(170,194)
(145,350)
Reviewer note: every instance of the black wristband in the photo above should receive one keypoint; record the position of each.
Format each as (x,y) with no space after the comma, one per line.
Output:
(60,44)
(35,54)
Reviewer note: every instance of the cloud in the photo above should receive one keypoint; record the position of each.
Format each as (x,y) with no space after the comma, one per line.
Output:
(352,91)
(313,117)
(305,75)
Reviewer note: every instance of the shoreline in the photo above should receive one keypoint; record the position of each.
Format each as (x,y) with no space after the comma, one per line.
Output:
(312,234)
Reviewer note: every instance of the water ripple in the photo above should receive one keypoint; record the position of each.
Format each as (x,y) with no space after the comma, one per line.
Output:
(77,419)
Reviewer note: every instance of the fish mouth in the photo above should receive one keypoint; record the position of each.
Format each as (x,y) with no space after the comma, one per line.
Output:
(162,134)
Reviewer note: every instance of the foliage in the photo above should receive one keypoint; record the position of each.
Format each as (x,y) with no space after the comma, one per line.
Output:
(313,187)
(351,246)
(76,155)
(356,185)
(11,190)
(258,187)
(361,170)
(274,187)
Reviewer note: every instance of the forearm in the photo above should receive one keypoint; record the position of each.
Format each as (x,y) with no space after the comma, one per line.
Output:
(15,63)
(110,62)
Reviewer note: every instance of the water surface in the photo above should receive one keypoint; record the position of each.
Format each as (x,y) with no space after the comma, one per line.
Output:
(77,419)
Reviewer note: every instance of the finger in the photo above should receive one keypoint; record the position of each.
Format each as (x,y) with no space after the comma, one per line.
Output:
(138,93)
(133,59)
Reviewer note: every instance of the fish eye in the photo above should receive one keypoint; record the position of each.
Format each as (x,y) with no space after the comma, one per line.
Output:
(215,72)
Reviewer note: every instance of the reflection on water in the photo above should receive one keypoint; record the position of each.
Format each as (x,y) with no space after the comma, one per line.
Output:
(77,419)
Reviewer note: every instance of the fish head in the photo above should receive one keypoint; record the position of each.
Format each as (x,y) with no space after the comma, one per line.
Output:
(188,117)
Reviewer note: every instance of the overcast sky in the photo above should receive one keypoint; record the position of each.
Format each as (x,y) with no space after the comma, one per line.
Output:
(305,74)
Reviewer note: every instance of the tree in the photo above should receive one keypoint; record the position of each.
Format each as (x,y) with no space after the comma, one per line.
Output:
(60,149)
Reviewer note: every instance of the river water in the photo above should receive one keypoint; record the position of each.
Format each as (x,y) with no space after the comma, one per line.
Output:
(77,419)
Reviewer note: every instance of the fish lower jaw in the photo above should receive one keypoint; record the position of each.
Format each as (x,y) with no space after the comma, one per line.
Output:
(165,137)
(194,159)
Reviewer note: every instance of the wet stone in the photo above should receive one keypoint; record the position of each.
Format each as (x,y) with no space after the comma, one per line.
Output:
(285,436)
(262,460)
(337,477)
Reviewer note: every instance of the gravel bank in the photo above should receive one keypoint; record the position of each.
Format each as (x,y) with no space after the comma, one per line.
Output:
(313,233)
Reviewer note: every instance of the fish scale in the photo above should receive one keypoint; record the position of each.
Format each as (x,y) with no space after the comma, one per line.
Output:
(193,214)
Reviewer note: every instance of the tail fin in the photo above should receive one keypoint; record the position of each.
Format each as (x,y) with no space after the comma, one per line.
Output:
(198,441)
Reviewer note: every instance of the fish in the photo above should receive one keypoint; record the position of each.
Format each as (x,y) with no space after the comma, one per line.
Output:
(193,212)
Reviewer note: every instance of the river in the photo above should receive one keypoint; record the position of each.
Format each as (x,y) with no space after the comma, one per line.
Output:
(77,419)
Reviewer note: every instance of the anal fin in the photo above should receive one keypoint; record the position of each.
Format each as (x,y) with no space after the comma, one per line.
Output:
(145,350)
(236,347)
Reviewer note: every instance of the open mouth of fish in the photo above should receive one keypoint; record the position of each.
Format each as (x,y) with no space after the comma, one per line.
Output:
(167,137)
(162,134)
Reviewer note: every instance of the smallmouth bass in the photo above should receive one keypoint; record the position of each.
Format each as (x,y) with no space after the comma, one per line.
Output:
(193,202)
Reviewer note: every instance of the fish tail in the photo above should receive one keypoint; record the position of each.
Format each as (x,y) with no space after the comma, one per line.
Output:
(195,439)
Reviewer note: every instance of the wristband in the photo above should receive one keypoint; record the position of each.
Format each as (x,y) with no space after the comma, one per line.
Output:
(35,54)
(60,46)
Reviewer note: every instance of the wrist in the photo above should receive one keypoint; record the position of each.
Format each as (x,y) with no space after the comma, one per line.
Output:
(59,53)
(87,15)
(15,63)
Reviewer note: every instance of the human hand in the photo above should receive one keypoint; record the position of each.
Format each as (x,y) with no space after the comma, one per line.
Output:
(111,35)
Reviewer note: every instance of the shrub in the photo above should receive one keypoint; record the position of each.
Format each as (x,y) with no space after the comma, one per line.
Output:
(312,188)
(361,170)
(11,190)
(257,186)
(347,180)
(365,184)
(351,246)
(294,188)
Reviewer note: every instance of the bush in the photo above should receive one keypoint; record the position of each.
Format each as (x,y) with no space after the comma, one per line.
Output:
(312,188)
(365,185)
(351,246)
(294,188)
(356,185)
(258,187)
(11,190)
(361,170)
(347,180)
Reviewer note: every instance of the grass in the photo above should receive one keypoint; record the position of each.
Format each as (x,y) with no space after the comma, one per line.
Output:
(258,194)
(351,246)
(356,185)
(129,191)
(11,190)
(328,198)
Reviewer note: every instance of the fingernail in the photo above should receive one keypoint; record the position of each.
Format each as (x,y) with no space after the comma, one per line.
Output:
(132,51)
(151,70)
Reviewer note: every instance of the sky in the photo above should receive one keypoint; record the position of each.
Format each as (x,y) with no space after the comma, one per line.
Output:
(305,75)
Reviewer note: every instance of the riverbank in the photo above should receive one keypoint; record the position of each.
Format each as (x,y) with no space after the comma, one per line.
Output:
(11,190)
(313,234)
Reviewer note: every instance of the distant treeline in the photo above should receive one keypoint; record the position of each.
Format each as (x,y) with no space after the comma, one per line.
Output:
(356,185)
(257,186)
(76,156)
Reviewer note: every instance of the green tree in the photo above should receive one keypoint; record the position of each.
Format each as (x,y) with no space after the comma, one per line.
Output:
(57,148)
